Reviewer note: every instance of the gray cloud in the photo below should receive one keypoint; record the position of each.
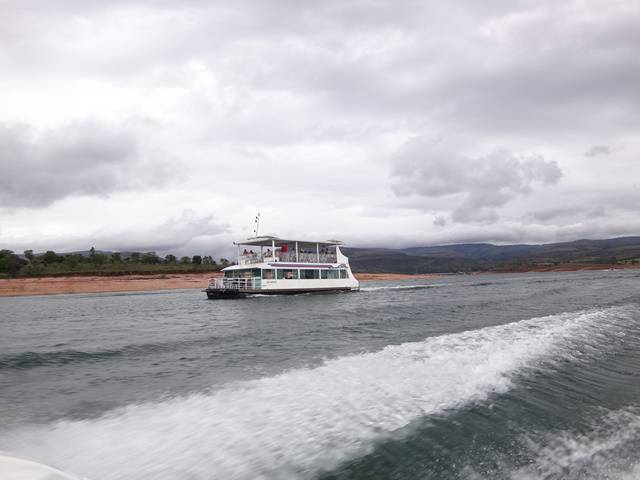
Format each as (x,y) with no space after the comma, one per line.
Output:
(551,214)
(298,107)
(477,185)
(183,233)
(598,150)
(186,233)
(439,221)
(459,65)
(559,215)
(450,62)
(83,158)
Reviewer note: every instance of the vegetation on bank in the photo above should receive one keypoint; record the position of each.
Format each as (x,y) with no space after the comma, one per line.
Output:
(102,263)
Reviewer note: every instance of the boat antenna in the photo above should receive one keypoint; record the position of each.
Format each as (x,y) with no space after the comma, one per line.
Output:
(256,224)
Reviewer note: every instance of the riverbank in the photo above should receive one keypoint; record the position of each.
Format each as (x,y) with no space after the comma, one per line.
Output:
(101,284)
(132,283)
(172,281)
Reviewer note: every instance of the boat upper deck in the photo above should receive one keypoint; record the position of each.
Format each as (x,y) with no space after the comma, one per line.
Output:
(274,249)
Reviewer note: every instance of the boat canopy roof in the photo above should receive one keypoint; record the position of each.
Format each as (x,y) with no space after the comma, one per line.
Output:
(265,241)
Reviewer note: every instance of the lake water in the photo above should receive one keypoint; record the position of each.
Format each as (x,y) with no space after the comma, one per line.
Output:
(489,376)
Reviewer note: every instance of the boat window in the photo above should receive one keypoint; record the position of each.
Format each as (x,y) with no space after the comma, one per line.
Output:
(309,274)
(343,274)
(287,274)
(329,274)
(268,274)
(243,273)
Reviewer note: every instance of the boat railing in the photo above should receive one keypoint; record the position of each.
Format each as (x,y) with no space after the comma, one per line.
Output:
(249,283)
(216,283)
(289,257)
(250,259)
(306,257)
(314,257)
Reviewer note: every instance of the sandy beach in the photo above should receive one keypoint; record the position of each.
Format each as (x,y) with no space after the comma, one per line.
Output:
(97,284)
(132,283)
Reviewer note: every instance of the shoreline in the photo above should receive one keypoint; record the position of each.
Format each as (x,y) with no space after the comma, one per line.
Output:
(69,284)
(18,287)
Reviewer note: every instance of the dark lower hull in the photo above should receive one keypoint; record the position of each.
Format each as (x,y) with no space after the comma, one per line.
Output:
(230,293)
(223,293)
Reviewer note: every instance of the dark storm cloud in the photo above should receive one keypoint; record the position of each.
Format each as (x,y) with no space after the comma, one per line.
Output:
(83,158)
(477,186)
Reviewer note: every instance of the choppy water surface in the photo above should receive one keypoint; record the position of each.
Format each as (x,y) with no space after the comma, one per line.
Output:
(492,376)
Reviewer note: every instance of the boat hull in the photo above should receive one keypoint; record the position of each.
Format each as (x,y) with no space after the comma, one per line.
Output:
(223,293)
(231,293)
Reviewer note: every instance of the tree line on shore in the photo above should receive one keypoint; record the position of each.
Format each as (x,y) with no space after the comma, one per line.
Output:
(93,261)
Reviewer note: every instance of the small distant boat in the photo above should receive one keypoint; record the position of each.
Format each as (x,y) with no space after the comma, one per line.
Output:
(276,266)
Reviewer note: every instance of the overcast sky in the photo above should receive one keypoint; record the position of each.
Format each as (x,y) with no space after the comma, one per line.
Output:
(166,125)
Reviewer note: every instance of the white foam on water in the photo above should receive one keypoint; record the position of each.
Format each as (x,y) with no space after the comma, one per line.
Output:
(304,421)
(608,450)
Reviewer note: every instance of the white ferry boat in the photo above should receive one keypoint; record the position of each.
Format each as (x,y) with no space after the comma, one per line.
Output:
(270,265)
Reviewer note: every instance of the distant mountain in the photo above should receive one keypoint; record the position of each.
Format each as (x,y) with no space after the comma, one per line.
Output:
(478,251)
(556,251)
(395,261)
(467,257)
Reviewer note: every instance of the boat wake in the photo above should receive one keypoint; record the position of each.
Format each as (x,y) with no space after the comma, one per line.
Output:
(608,449)
(309,420)
(426,285)
(403,287)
